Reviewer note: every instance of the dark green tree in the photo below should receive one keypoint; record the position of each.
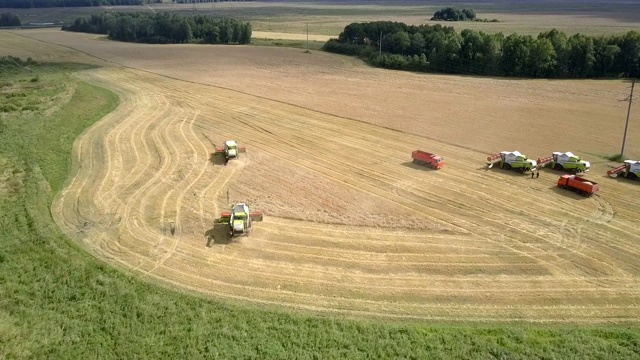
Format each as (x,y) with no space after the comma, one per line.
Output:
(9,19)
(580,56)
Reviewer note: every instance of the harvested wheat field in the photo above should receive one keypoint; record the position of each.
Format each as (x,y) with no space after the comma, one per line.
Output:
(351,225)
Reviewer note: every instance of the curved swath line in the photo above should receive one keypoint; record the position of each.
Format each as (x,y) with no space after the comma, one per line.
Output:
(127,208)
(118,142)
(152,184)
(139,168)
(417,284)
(180,197)
(167,158)
(109,141)
(387,305)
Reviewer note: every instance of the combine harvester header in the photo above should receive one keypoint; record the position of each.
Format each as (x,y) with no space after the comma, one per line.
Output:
(565,161)
(511,160)
(630,169)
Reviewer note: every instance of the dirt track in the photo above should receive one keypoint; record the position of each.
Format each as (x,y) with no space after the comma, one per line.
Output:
(351,225)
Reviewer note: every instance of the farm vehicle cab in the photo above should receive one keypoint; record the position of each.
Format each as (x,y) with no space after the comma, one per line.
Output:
(240,219)
(630,170)
(512,160)
(565,161)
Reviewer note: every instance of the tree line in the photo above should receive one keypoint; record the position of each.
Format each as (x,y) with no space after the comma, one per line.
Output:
(86,3)
(27,4)
(454,14)
(437,48)
(9,19)
(164,28)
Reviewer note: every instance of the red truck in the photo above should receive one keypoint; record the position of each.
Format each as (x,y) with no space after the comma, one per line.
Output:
(424,158)
(579,185)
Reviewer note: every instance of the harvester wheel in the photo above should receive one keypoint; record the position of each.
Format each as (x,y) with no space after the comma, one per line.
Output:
(632,176)
(506,166)
(558,167)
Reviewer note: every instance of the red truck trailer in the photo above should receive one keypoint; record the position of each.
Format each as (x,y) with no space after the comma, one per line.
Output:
(424,158)
(579,185)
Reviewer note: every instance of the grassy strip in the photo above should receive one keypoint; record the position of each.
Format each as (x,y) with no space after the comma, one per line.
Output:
(57,302)
(617,158)
(300,44)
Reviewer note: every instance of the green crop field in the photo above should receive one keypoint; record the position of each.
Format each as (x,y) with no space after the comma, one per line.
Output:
(57,302)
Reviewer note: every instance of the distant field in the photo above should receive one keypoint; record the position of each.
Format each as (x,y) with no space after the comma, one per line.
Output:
(329,18)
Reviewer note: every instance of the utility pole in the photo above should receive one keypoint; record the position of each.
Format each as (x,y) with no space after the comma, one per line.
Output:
(380,52)
(307,37)
(626,125)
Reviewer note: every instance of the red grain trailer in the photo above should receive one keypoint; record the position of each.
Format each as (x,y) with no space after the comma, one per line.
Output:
(579,185)
(428,159)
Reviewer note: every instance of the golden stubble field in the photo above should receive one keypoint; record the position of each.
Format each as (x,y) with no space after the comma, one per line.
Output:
(351,225)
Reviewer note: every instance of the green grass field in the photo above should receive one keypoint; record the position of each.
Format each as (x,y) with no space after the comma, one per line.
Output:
(58,302)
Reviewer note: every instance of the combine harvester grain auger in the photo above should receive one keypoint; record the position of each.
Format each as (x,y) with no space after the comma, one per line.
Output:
(231,150)
(630,170)
(511,160)
(240,219)
(565,161)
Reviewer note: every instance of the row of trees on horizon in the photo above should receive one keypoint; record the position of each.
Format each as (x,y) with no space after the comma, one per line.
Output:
(28,4)
(164,28)
(437,48)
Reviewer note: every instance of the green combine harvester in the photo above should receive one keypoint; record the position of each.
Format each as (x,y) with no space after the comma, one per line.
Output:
(630,170)
(511,160)
(565,161)
(240,219)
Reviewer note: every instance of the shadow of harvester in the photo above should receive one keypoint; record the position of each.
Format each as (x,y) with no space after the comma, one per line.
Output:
(218,235)
(218,159)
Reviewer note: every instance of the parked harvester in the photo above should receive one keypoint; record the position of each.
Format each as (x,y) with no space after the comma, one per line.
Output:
(428,159)
(565,161)
(240,219)
(511,160)
(630,169)
(579,185)
(231,150)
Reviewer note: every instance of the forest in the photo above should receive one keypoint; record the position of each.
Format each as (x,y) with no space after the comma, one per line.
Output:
(164,28)
(437,48)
